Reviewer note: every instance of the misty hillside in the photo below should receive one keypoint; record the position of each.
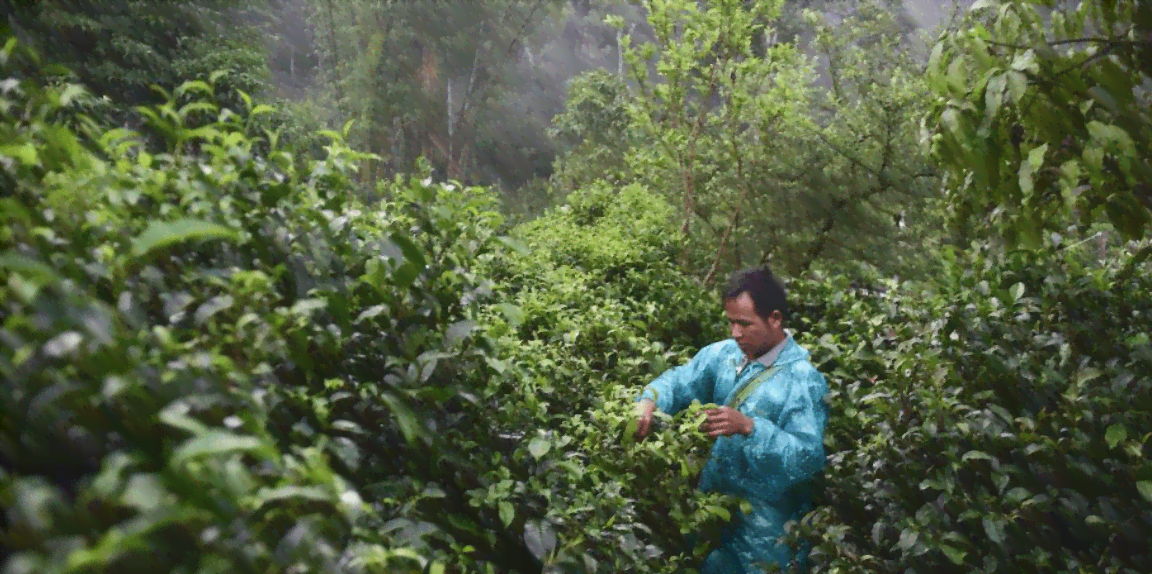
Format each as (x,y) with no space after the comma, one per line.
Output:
(550,44)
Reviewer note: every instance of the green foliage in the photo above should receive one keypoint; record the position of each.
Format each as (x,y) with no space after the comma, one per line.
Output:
(728,125)
(596,124)
(874,196)
(222,353)
(1043,121)
(993,421)
(121,50)
(580,331)
(195,379)
(712,106)
(438,82)
(199,381)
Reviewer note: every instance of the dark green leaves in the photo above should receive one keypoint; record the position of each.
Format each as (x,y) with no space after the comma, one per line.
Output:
(276,401)
(406,273)
(990,390)
(205,396)
(1071,129)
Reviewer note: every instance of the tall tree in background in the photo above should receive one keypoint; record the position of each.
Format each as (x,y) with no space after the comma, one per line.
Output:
(874,197)
(596,128)
(764,165)
(435,80)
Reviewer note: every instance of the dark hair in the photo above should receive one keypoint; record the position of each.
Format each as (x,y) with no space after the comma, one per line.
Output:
(766,291)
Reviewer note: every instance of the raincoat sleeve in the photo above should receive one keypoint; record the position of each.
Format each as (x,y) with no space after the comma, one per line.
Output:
(778,455)
(674,390)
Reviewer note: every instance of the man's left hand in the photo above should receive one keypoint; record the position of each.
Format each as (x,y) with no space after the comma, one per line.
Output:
(726,421)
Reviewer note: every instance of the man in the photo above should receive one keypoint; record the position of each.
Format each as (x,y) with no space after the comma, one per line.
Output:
(769,433)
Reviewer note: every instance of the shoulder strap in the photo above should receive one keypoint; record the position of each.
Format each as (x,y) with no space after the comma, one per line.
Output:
(746,391)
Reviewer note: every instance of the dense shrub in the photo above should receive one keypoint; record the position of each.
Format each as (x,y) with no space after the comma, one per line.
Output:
(222,360)
(583,321)
(219,357)
(993,422)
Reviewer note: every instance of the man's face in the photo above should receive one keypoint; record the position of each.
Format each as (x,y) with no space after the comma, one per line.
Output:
(755,334)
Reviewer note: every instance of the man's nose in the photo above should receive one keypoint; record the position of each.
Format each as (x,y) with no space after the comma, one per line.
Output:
(735,330)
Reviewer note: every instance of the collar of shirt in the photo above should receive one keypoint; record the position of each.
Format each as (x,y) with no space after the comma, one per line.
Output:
(767,358)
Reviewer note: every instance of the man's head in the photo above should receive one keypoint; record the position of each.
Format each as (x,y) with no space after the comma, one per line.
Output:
(756,305)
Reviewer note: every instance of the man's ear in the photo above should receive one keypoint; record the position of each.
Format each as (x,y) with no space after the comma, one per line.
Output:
(775,319)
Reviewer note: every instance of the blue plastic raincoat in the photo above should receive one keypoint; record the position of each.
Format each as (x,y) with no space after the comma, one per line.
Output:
(772,468)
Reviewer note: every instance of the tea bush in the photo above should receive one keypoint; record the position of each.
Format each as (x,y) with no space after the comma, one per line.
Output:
(581,325)
(216,357)
(994,421)
(222,355)
(222,360)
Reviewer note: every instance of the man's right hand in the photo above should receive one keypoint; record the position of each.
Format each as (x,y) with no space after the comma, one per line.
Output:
(645,409)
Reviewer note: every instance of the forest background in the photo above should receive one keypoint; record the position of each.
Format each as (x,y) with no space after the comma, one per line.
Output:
(368,285)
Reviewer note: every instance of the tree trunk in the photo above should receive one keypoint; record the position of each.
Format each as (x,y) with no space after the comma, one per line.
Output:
(686,228)
(336,63)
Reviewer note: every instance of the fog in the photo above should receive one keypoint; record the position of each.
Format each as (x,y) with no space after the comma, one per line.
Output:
(565,39)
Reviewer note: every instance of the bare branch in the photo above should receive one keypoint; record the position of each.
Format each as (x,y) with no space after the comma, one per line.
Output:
(720,251)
